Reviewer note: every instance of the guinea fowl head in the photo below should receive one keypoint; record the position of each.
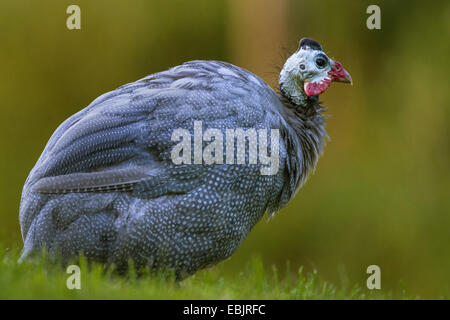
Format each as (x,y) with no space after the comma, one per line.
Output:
(305,75)
(309,72)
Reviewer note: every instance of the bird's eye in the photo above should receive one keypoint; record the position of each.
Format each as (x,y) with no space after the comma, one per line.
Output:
(321,62)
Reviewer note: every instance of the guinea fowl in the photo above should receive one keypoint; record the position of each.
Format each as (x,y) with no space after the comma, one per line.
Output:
(107,186)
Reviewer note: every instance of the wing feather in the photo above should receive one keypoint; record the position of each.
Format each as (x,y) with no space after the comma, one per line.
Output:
(122,180)
(116,141)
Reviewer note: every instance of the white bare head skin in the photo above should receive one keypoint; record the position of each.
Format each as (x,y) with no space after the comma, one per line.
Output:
(309,72)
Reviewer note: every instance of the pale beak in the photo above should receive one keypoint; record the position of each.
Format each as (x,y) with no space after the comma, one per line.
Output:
(339,74)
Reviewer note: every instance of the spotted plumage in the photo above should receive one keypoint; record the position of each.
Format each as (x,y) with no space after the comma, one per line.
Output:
(105,184)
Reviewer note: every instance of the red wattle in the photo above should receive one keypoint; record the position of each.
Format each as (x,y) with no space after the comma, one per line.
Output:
(316,88)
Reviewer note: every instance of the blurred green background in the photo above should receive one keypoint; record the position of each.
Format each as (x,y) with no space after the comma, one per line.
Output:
(380,194)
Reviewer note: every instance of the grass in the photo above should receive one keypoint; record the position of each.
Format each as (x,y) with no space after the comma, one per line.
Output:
(40,280)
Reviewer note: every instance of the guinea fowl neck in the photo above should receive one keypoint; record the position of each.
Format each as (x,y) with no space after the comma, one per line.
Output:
(305,134)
